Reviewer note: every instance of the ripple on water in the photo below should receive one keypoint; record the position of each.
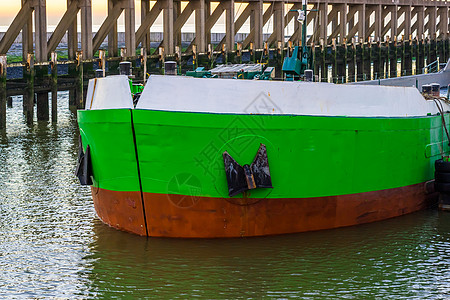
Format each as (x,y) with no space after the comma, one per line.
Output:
(52,245)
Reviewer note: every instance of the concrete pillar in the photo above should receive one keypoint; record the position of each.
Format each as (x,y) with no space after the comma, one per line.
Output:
(342,22)
(72,37)
(86,29)
(229,23)
(256,22)
(278,21)
(200,20)
(40,24)
(168,31)
(27,36)
(394,21)
(145,9)
(130,27)
(113,47)
(362,22)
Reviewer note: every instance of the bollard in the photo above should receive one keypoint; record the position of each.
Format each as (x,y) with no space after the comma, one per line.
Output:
(3,67)
(308,75)
(435,90)
(99,73)
(125,68)
(54,84)
(28,99)
(170,68)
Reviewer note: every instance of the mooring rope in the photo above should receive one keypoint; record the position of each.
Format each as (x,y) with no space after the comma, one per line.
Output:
(440,107)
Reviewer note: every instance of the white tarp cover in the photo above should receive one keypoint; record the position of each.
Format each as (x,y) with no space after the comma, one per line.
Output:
(178,93)
(109,92)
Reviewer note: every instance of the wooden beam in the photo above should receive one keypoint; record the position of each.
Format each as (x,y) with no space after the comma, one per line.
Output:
(86,29)
(16,26)
(106,26)
(40,30)
(130,27)
(200,19)
(212,19)
(238,23)
(168,23)
(148,22)
(72,36)
(113,43)
(27,36)
(183,17)
(63,26)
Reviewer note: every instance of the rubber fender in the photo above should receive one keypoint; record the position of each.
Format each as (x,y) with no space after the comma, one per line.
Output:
(443,187)
(442,166)
(442,177)
(444,198)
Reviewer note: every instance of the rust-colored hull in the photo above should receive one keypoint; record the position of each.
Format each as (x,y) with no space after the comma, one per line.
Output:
(204,217)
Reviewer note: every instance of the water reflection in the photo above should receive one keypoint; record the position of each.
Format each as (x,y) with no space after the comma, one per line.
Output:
(53,246)
(404,257)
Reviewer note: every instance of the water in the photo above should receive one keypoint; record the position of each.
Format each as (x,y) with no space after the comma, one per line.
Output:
(53,246)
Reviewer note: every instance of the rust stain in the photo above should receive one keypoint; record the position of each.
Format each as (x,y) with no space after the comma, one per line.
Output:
(220,217)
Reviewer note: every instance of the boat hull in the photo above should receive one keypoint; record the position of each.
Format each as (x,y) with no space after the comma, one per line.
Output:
(162,174)
(208,217)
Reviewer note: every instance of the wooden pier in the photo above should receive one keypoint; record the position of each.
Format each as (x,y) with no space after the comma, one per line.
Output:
(350,40)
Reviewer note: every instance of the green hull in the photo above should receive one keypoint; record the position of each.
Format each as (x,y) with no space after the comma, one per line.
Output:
(309,156)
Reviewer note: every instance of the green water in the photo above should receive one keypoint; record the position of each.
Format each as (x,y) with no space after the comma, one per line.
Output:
(53,246)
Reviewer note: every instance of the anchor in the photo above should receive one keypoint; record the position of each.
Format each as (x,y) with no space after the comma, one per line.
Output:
(247,177)
(84,165)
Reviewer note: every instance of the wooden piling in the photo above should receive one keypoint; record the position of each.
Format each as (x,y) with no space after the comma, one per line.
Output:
(393,58)
(323,59)
(367,60)
(79,82)
(359,61)
(144,63)
(42,106)
(28,98)
(351,54)
(54,86)
(3,68)
(420,61)
(102,61)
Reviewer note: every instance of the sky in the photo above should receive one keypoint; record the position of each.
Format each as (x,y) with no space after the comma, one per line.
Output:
(56,9)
